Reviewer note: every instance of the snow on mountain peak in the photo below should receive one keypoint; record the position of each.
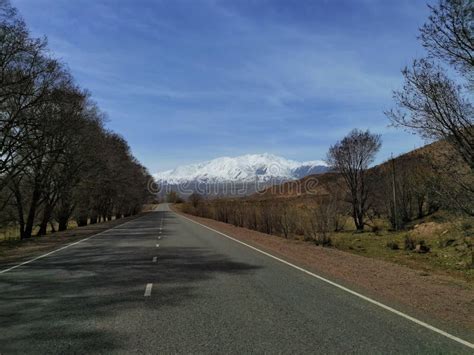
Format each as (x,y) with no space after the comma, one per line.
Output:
(249,167)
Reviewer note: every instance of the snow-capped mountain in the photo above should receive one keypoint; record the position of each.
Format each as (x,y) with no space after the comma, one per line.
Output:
(246,168)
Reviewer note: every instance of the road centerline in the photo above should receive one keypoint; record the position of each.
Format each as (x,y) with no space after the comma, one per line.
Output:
(148,290)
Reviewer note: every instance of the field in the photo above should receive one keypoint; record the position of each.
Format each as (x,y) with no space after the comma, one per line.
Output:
(449,244)
(11,233)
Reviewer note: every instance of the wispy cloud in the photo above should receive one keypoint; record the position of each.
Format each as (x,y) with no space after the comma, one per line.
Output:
(185,81)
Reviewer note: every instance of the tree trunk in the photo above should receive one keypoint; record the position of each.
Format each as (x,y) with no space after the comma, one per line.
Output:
(63,214)
(93,219)
(31,214)
(62,223)
(45,220)
(360,223)
(19,207)
(82,221)
(421,202)
(358,219)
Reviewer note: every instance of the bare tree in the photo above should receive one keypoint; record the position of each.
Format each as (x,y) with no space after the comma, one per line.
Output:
(27,76)
(449,34)
(320,220)
(237,216)
(286,218)
(195,199)
(251,215)
(71,140)
(351,158)
(267,217)
(41,149)
(433,105)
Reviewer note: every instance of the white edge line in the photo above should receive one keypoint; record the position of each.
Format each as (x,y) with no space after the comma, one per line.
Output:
(368,299)
(64,247)
(148,290)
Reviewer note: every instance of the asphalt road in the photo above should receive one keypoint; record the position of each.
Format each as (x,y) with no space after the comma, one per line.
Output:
(187,289)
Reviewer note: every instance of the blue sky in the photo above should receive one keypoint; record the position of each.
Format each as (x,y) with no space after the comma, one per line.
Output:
(186,81)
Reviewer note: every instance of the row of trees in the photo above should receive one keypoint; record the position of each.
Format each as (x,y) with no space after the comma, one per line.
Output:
(57,161)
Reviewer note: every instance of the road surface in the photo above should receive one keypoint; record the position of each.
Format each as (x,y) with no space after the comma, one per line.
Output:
(162,284)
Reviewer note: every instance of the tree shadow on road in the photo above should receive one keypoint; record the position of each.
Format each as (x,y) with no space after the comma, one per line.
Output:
(60,305)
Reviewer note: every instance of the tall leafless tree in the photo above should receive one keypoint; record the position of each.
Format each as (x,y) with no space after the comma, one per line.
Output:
(432,105)
(449,34)
(438,107)
(351,157)
(27,77)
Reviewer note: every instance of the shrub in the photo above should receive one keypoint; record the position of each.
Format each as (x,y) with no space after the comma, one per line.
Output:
(195,199)
(317,226)
(187,208)
(376,229)
(443,243)
(422,248)
(393,245)
(466,226)
(323,239)
(410,243)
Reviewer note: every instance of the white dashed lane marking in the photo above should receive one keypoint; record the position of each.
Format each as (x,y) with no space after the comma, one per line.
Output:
(148,290)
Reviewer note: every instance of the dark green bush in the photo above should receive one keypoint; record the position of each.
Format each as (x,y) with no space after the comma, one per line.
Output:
(409,243)
(393,245)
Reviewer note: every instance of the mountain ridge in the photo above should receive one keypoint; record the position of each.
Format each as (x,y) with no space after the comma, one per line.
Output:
(249,167)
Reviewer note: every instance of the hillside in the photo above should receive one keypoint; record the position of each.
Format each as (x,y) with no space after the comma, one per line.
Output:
(322,184)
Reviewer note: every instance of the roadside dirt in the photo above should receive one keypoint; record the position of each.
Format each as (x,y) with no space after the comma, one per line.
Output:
(438,299)
(12,252)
